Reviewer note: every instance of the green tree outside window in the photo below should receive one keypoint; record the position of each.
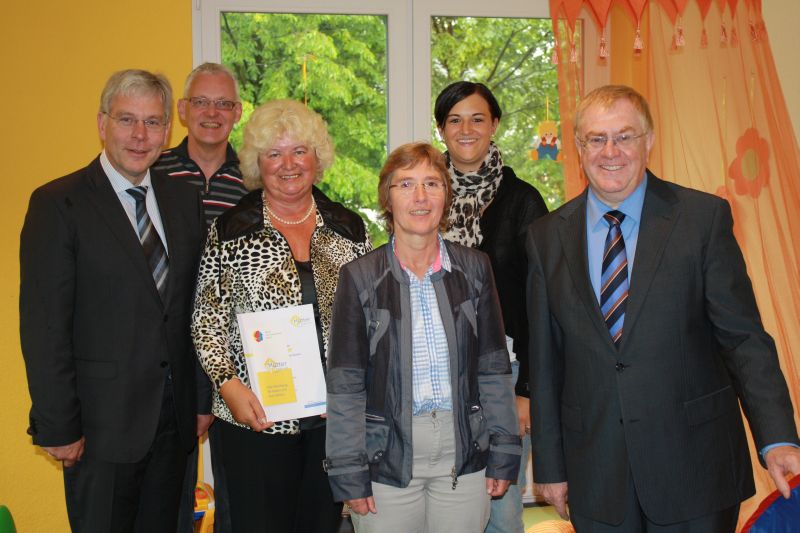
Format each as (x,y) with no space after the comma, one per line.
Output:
(337,65)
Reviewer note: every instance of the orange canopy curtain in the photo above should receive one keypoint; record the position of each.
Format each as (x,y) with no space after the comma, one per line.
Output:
(721,126)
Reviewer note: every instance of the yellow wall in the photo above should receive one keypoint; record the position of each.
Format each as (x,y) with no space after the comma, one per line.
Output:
(56,57)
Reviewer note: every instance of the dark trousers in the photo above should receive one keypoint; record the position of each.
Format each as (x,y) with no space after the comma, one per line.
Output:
(141,497)
(222,519)
(276,482)
(636,521)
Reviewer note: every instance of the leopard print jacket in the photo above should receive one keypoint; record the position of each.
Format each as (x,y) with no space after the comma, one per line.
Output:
(247,266)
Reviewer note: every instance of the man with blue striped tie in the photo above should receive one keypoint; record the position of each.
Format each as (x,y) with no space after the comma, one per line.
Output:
(645,336)
(108,259)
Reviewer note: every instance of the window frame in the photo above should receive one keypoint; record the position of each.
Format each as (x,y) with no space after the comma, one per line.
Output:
(206,39)
(409,99)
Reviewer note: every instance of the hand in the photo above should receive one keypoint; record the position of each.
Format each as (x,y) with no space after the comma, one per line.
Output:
(782,461)
(362,506)
(556,495)
(68,454)
(244,405)
(203,423)
(524,415)
(496,487)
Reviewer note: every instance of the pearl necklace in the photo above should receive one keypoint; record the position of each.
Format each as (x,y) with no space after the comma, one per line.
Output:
(290,222)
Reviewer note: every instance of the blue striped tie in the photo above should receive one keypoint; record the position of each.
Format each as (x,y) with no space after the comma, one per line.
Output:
(614,277)
(154,250)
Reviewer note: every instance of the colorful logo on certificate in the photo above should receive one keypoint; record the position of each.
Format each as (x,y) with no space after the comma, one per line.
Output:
(258,336)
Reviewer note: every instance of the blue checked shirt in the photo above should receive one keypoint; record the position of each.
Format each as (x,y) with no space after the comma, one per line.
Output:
(430,361)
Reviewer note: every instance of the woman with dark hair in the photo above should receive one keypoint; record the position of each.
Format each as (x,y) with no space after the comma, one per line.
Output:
(491,210)
(421,426)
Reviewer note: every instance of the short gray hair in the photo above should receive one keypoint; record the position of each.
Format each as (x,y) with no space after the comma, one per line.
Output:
(210,68)
(277,118)
(135,82)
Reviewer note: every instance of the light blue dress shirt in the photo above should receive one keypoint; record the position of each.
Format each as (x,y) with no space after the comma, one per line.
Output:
(597,229)
(430,356)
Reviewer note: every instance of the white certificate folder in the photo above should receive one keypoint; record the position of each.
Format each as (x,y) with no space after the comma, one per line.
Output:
(283,361)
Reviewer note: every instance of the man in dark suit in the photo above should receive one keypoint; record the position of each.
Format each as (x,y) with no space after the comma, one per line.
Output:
(108,259)
(638,366)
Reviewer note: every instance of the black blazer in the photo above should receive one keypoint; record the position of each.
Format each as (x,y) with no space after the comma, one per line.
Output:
(665,405)
(97,340)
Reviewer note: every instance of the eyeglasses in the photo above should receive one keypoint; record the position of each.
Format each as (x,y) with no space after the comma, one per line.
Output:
(129,122)
(201,102)
(407,187)
(595,143)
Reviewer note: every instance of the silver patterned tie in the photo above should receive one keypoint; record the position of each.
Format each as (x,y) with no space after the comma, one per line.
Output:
(154,250)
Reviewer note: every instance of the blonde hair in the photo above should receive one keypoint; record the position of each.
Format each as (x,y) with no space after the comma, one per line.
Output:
(278,118)
(606,96)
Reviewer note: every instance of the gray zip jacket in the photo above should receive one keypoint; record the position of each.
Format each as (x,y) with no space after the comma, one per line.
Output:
(369,373)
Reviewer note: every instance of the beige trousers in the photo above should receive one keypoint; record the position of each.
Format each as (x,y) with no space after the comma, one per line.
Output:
(430,503)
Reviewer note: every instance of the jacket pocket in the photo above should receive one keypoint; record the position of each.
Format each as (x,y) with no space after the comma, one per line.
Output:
(89,368)
(377,437)
(477,428)
(711,406)
(571,417)
(377,324)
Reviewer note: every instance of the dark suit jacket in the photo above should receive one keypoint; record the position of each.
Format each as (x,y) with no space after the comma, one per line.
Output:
(664,405)
(98,342)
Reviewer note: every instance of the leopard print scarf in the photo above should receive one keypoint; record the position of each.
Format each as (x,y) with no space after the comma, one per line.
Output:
(472,193)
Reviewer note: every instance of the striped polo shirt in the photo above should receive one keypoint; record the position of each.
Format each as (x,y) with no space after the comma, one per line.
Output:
(224,189)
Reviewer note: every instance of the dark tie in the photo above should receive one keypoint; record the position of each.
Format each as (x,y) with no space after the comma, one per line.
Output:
(153,247)
(614,277)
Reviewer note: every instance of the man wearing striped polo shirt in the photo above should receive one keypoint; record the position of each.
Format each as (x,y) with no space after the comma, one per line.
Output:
(209,109)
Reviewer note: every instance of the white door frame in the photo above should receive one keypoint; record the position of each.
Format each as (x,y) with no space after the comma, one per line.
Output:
(409,101)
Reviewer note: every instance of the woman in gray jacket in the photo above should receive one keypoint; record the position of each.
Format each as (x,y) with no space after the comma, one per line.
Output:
(421,423)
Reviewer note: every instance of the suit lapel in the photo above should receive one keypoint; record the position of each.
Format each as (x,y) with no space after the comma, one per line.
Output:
(659,215)
(573,241)
(107,204)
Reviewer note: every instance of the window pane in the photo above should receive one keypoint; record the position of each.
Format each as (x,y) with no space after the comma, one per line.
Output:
(511,56)
(334,63)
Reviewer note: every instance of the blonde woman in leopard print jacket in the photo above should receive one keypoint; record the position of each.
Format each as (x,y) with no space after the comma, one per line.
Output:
(281,246)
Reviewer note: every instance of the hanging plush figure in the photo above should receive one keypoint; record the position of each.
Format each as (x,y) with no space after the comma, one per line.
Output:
(547,145)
